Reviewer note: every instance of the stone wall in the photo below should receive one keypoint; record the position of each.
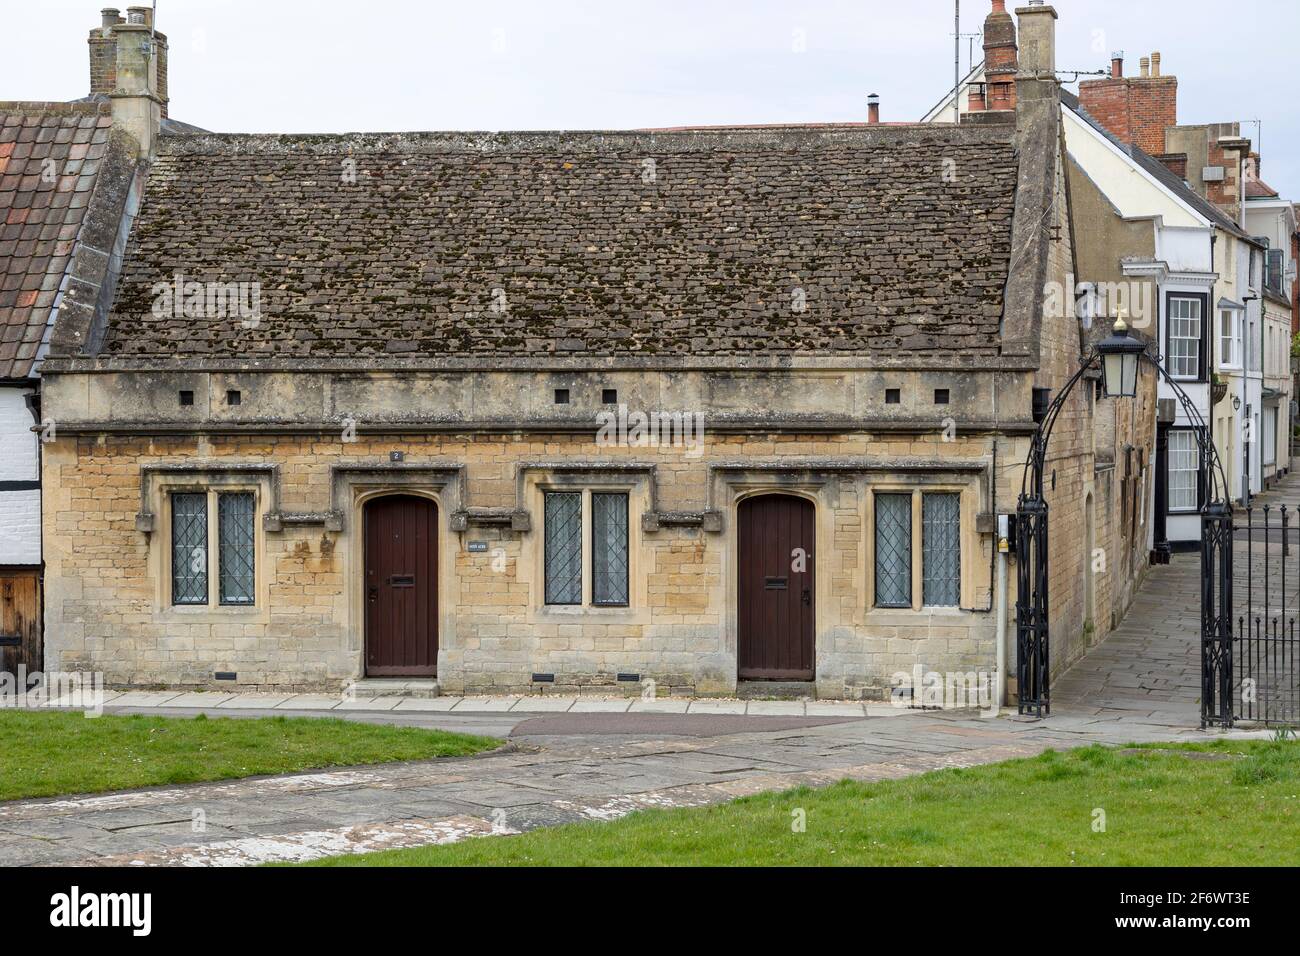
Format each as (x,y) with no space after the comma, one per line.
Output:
(108,603)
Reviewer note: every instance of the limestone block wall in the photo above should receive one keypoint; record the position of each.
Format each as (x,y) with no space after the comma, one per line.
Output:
(108,606)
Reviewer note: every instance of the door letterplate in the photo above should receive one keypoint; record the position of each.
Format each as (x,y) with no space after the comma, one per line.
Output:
(777,584)
(402,581)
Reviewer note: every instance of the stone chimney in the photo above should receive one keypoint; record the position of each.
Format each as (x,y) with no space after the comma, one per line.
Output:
(137,106)
(1137,109)
(103,52)
(873,108)
(1037,41)
(1000,59)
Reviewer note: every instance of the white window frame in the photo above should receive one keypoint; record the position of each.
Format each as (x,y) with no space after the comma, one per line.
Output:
(1172,360)
(1194,470)
(1230,345)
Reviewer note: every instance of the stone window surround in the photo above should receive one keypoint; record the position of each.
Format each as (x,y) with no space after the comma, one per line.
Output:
(210,482)
(634,480)
(916,488)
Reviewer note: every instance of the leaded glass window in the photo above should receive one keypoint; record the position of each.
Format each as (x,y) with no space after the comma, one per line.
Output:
(894,550)
(235,547)
(609,549)
(563,531)
(941,550)
(189,549)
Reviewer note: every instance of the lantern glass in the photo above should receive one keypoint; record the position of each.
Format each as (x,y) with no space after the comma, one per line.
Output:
(1119,373)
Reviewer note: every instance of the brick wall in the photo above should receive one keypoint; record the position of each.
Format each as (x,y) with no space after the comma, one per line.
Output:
(1138,110)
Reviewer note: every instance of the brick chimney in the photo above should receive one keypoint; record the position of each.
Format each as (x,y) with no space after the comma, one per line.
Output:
(1137,109)
(873,108)
(1001,59)
(103,52)
(1117,65)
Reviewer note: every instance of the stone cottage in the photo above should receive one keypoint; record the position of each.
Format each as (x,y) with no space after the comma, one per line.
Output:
(706,408)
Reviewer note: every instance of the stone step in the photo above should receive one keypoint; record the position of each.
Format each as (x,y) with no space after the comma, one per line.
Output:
(396,687)
(776,690)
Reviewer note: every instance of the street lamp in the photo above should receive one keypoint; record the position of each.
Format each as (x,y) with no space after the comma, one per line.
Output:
(1119,361)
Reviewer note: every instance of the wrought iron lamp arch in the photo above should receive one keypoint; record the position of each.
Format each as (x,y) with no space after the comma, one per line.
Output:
(1032,606)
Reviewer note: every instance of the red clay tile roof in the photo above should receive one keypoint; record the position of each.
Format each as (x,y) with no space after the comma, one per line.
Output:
(1258,189)
(705,243)
(49,156)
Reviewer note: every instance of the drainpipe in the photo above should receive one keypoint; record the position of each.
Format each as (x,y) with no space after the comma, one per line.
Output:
(1004,546)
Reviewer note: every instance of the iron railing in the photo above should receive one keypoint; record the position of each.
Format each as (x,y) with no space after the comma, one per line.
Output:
(1266,675)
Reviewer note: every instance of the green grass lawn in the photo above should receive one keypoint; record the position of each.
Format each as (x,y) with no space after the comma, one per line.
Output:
(1160,808)
(47,753)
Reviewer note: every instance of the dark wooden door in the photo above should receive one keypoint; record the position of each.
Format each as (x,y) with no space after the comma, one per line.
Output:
(401,587)
(775,542)
(20,620)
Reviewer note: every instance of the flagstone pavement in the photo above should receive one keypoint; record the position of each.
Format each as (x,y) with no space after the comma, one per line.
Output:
(570,759)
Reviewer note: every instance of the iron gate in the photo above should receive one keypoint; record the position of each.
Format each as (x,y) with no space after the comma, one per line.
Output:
(1264,671)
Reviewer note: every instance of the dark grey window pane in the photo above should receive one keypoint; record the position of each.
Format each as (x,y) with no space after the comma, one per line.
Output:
(941,550)
(235,537)
(563,548)
(190,549)
(609,549)
(894,550)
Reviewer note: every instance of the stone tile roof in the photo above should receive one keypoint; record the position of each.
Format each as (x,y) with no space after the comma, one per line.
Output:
(701,243)
(49,157)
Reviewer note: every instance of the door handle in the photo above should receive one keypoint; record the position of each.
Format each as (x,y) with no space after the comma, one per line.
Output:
(807,596)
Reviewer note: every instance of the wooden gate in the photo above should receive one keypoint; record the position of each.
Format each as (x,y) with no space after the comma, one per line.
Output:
(401,542)
(20,620)
(776,591)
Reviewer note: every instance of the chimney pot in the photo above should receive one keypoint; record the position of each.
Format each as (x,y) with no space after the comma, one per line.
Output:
(110,17)
(140,15)
(1144,65)
(1155,64)
(873,108)
(1117,64)
(976,102)
(999,6)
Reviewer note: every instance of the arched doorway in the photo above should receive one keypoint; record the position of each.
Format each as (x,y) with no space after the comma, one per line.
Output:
(401,586)
(776,589)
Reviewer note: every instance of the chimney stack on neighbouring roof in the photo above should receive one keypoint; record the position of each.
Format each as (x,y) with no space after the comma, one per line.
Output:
(1136,109)
(1117,65)
(873,108)
(103,51)
(1001,59)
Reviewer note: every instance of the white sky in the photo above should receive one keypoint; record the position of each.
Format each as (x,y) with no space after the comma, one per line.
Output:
(384,65)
